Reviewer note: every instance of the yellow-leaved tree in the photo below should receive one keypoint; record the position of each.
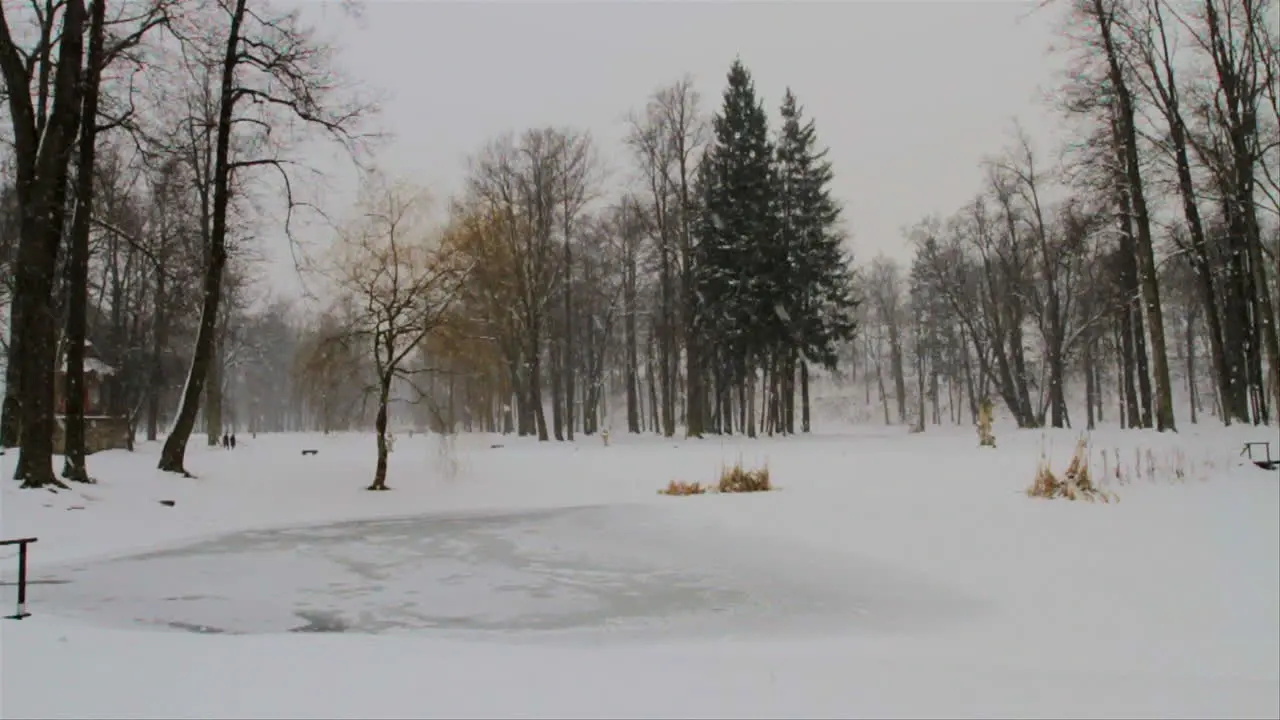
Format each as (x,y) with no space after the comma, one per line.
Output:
(397,278)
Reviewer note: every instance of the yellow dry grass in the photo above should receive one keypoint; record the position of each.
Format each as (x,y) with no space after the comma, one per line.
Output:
(1076,483)
(679,487)
(733,479)
(737,479)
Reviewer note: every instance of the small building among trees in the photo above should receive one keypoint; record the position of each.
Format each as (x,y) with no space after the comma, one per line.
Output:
(103,431)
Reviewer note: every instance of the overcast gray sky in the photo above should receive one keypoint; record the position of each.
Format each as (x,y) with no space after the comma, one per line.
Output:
(908,96)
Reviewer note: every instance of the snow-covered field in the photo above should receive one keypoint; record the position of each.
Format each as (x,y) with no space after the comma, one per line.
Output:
(890,575)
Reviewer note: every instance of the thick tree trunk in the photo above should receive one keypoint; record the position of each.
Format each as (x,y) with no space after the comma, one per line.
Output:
(43,162)
(78,263)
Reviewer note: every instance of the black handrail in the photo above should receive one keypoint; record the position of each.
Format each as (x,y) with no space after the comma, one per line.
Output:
(22,544)
(1267,464)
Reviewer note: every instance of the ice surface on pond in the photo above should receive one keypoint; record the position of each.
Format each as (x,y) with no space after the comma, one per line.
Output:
(623,570)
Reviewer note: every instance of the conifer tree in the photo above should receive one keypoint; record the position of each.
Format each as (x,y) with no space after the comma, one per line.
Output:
(816,293)
(737,243)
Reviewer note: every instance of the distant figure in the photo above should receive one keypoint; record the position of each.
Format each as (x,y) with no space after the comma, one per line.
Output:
(233,441)
(226,441)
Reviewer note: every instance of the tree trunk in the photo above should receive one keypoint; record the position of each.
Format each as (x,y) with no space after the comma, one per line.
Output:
(568,358)
(1192,395)
(966,366)
(652,377)
(920,390)
(380,426)
(558,352)
(159,339)
(1090,384)
(804,396)
(1199,254)
(77,270)
(535,385)
(695,414)
(43,165)
(666,351)
(10,422)
(213,395)
(173,455)
(632,372)
(899,377)
(1142,221)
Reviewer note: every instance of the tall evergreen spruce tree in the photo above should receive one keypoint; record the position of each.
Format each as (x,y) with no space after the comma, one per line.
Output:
(816,295)
(737,251)
(774,288)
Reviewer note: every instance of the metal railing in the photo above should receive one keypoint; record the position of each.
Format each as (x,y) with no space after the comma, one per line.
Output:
(22,544)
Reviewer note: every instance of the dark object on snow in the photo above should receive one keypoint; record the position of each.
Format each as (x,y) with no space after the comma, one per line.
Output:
(1268,463)
(22,544)
(233,441)
(226,441)
(310,452)
(168,503)
(495,447)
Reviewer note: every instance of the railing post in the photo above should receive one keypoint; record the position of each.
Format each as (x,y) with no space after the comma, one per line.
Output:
(22,576)
(22,583)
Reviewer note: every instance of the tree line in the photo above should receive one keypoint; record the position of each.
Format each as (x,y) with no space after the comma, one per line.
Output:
(700,296)
(1145,251)
(141,136)
(148,140)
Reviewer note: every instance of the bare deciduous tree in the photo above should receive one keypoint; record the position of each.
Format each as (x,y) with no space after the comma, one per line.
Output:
(273,74)
(397,280)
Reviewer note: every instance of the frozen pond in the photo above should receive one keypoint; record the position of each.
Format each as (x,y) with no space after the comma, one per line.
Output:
(625,571)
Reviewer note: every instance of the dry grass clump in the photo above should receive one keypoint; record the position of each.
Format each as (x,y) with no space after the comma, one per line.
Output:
(1075,484)
(737,479)
(679,487)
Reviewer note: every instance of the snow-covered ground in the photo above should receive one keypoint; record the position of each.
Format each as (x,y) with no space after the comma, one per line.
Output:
(890,575)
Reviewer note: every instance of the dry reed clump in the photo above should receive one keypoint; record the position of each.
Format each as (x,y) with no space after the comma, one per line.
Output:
(679,487)
(1075,484)
(737,479)
(734,479)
